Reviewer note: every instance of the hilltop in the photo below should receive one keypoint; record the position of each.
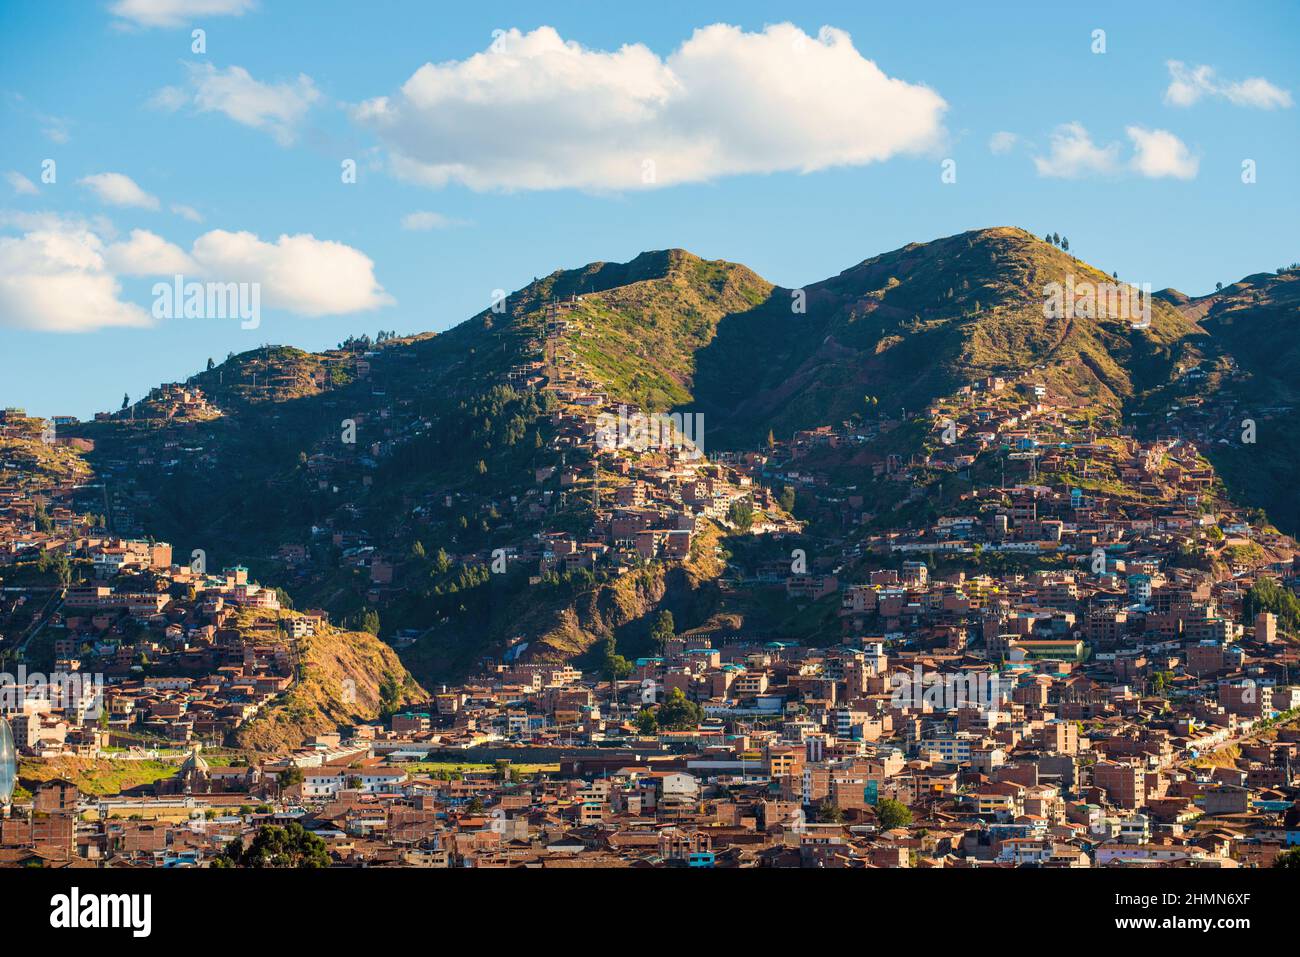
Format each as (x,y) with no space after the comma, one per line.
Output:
(669,329)
(477,441)
(913,325)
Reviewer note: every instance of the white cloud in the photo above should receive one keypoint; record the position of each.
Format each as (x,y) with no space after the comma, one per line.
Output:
(1073,154)
(61,275)
(20,183)
(303,274)
(55,278)
(276,108)
(536,112)
(38,221)
(1187,85)
(174,13)
(187,212)
(1002,142)
(147,254)
(169,98)
(1257,92)
(1156,153)
(1160,153)
(55,129)
(118,189)
(424,221)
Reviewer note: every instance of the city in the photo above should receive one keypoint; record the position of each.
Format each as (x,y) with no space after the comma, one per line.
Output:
(1113,683)
(438,445)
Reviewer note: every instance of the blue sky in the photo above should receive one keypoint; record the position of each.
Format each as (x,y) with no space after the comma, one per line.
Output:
(1138,162)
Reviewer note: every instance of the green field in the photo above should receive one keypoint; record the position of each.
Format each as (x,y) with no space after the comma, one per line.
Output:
(96,777)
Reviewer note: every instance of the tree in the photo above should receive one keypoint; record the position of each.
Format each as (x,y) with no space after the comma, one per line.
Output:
(679,714)
(1056,239)
(1065,244)
(390,696)
(664,630)
(646,723)
(892,814)
(1218,287)
(614,666)
(62,569)
(365,620)
(291,776)
(41,519)
(1267,595)
(211,365)
(1288,859)
(275,846)
(741,514)
(126,400)
(828,812)
(787,499)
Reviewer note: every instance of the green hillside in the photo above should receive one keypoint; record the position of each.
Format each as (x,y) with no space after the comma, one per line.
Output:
(917,323)
(1254,331)
(453,440)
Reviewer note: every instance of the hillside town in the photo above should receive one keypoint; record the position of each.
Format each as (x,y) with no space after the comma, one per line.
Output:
(438,440)
(1083,657)
(756,755)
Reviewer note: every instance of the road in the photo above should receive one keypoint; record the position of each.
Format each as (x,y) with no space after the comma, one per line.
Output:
(52,606)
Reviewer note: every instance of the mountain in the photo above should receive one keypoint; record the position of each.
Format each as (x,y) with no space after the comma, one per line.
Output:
(909,326)
(1252,368)
(641,337)
(384,475)
(918,323)
(1257,321)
